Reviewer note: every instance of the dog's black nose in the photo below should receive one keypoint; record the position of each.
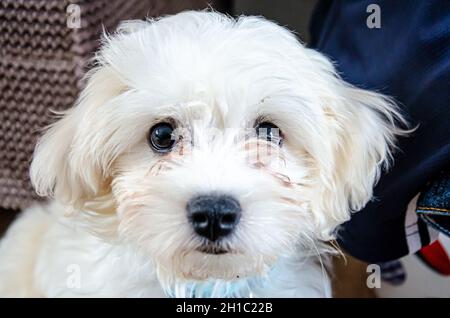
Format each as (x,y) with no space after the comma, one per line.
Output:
(213,216)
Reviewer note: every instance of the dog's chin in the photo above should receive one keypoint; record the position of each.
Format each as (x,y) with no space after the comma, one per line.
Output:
(212,263)
(214,249)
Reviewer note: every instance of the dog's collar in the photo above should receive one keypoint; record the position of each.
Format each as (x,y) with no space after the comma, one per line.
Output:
(241,288)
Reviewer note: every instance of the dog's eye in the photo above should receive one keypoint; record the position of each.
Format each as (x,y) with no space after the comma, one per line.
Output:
(270,132)
(161,137)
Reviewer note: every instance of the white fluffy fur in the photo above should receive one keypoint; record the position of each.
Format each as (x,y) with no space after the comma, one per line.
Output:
(119,210)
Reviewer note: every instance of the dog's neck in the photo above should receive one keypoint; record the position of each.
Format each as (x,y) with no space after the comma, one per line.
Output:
(241,288)
(289,277)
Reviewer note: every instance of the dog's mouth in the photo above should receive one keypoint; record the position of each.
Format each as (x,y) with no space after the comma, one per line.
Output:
(212,249)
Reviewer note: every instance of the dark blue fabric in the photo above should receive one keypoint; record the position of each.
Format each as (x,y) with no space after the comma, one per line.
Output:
(393,272)
(433,206)
(436,196)
(408,58)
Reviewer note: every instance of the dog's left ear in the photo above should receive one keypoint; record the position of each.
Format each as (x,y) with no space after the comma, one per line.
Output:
(363,128)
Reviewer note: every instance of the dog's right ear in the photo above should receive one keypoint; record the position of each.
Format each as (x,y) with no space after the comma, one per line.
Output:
(72,159)
(65,165)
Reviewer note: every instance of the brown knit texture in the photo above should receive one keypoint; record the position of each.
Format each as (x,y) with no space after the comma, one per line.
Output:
(42,63)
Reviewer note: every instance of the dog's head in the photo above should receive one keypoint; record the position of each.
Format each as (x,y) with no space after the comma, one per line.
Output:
(218,145)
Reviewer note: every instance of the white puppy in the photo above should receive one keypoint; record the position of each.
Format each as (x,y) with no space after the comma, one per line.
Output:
(206,156)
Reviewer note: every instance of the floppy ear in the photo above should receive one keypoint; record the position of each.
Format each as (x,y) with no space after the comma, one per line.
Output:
(363,129)
(64,164)
(71,161)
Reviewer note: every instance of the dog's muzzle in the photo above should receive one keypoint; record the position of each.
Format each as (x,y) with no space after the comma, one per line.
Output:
(213,216)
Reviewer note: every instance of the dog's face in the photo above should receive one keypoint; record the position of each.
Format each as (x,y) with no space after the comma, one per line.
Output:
(216,145)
